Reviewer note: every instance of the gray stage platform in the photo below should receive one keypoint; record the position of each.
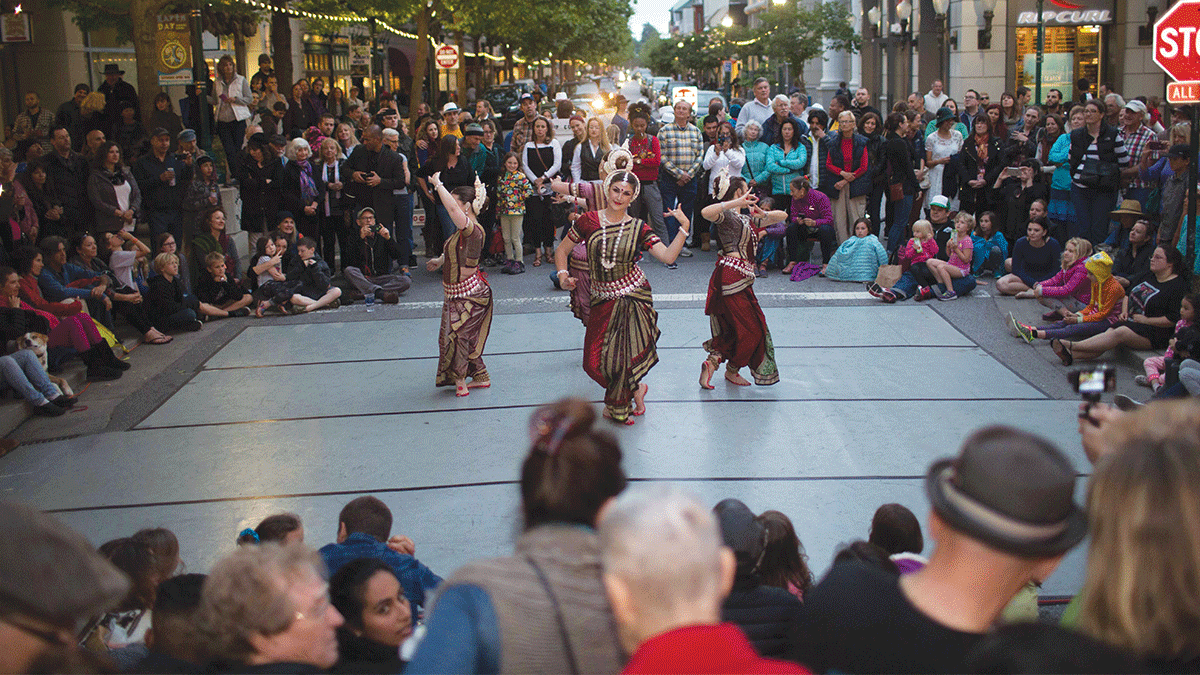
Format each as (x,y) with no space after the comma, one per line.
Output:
(305,417)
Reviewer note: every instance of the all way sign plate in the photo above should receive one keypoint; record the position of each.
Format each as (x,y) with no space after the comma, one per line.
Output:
(1183,92)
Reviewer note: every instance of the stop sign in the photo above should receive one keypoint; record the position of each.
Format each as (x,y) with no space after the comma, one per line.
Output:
(1177,41)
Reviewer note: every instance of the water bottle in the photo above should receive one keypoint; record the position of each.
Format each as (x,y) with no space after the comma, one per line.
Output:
(369,298)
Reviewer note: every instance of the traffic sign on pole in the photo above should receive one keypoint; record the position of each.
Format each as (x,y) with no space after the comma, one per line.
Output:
(1177,51)
(1183,93)
(446,57)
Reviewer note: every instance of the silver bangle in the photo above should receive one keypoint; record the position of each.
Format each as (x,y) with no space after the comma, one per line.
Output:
(562,272)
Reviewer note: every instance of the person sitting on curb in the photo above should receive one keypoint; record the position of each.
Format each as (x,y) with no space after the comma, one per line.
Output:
(377,250)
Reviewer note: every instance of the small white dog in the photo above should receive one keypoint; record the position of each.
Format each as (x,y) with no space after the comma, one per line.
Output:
(37,343)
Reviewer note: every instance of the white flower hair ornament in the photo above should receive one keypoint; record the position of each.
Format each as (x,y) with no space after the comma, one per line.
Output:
(721,182)
(480,196)
(619,159)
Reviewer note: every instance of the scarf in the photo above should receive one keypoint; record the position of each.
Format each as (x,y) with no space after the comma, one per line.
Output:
(329,176)
(308,188)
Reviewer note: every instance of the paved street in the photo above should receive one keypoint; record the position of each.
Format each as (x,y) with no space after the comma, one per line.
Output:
(252,417)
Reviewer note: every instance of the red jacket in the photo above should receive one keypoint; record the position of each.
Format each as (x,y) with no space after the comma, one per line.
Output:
(721,649)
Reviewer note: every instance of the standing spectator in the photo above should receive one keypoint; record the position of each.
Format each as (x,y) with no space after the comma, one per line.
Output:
(163,180)
(42,199)
(758,179)
(928,621)
(260,170)
(1135,135)
(667,575)
(1097,158)
(377,249)
(847,160)
(787,159)
(682,147)
(300,113)
(187,146)
(266,609)
(542,609)
(816,147)
(92,118)
(780,111)
(265,71)
(16,209)
(935,98)
(1015,196)
(871,126)
(71,112)
(861,105)
(542,162)
(300,193)
(916,103)
(982,160)
(570,147)
(724,155)
(1024,140)
(375,172)
(523,127)
(901,179)
(232,98)
(1113,105)
(1061,208)
(971,109)
(202,193)
(113,190)
(270,94)
(1053,105)
(1174,191)
(128,132)
(758,109)
(620,118)
(117,91)
(34,122)
(940,147)
(68,177)
(164,117)
(336,103)
(331,184)
(647,157)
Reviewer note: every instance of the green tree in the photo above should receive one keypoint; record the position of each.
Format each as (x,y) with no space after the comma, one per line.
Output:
(794,34)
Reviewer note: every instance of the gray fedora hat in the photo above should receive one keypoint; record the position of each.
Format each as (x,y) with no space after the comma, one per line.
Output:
(1011,490)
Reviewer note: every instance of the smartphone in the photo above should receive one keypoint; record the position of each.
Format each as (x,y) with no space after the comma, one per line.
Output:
(1156,145)
(1013,171)
(1090,383)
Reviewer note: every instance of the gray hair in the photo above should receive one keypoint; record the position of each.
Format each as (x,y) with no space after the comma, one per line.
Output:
(294,145)
(247,594)
(1120,101)
(665,545)
(781,98)
(391,133)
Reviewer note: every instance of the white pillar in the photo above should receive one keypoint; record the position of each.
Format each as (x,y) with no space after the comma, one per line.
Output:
(856,12)
(833,70)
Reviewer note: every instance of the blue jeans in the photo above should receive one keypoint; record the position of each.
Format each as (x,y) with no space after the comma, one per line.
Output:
(231,135)
(1092,209)
(906,287)
(673,193)
(895,233)
(165,221)
(445,220)
(21,371)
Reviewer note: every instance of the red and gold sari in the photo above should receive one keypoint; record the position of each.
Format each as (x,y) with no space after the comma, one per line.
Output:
(466,312)
(591,192)
(739,329)
(620,346)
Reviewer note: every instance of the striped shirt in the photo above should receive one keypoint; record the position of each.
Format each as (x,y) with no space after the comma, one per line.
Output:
(1093,152)
(682,150)
(1135,144)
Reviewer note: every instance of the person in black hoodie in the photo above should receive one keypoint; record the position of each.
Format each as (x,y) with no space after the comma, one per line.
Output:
(762,612)
(261,177)
(377,614)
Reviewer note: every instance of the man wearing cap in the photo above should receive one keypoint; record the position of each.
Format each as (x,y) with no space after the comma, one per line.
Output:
(523,128)
(371,271)
(1135,135)
(450,120)
(51,580)
(1002,515)
(682,146)
(163,180)
(1174,191)
(116,91)
(70,113)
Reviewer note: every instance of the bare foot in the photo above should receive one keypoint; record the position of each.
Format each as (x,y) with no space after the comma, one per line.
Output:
(706,372)
(479,384)
(460,388)
(639,400)
(627,422)
(734,377)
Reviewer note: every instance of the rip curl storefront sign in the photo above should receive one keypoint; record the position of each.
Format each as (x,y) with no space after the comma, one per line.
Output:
(1064,13)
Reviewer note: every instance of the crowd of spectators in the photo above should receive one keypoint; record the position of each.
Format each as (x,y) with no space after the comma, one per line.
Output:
(606,577)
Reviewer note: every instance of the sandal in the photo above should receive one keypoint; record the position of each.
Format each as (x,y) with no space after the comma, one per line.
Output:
(160,340)
(1062,352)
(789,268)
(537,261)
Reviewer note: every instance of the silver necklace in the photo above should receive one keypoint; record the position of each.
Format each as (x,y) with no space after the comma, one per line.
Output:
(611,261)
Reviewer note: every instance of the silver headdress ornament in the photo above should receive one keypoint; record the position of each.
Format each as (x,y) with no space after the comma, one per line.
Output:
(612,156)
(721,182)
(480,196)
(618,159)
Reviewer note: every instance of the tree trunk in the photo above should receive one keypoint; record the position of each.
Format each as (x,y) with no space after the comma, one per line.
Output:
(239,50)
(281,44)
(421,65)
(509,66)
(461,75)
(143,15)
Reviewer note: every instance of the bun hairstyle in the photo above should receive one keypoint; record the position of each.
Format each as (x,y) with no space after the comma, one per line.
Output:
(274,528)
(727,185)
(572,469)
(474,195)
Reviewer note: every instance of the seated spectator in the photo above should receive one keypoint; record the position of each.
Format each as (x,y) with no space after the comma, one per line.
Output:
(174,642)
(60,279)
(1138,595)
(1002,515)
(866,554)
(917,281)
(127,295)
(666,574)
(113,191)
(1035,257)
(378,617)
(213,238)
(51,580)
(542,609)
(219,295)
(166,243)
(377,251)
(364,531)
(960,248)
(1104,303)
(784,563)
(1035,648)
(1148,314)
(281,528)
(859,257)
(203,193)
(23,373)
(895,529)
(1067,291)
(310,270)
(991,248)
(762,612)
(28,263)
(265,609)
(271,285)
(1131,264)
(810,215)
(1015,194)
(127,623)
(77,332)
(1156,366)
(168,305)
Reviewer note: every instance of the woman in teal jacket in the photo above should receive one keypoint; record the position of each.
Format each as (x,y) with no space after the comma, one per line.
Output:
(755,170)
(1061,210)
(786,160)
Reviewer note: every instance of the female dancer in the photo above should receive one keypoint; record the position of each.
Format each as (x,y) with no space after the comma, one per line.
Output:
(590,195)
(467,311)
(619,347)
(739,329)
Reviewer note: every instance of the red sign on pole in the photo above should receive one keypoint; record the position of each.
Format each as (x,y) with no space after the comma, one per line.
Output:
(446,57)
(1183,93)
(1177,41)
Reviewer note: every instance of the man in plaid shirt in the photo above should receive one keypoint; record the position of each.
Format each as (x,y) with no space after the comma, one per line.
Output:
(682,151)
(34,122)
(1135,135)
(523,129)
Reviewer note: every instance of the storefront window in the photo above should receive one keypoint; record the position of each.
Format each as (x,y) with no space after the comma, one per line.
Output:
(1071,52)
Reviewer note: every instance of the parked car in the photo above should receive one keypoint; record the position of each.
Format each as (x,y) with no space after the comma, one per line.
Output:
(506,101)
(704,96)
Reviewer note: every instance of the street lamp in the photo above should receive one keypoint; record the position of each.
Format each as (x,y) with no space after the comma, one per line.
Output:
(985,33)
(727,22)
(904,10)
(940,8)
